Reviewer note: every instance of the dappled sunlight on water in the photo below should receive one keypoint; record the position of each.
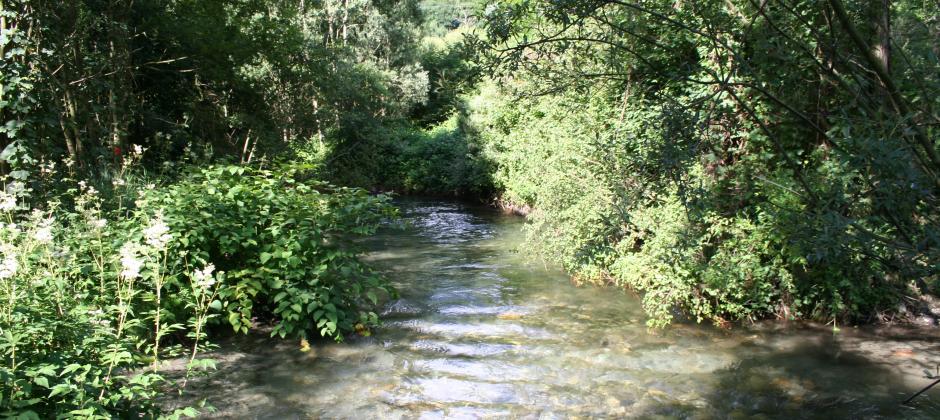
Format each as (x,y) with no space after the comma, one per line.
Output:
(480,332)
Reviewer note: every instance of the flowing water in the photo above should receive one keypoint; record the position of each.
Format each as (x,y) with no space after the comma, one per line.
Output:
(482,331)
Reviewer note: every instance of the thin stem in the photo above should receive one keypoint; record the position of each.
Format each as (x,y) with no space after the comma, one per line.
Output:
(159,286)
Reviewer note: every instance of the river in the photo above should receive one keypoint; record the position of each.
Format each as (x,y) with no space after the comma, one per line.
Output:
(483,330)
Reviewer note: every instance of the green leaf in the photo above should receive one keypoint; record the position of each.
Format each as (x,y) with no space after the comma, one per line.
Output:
(59,389)
(8,151)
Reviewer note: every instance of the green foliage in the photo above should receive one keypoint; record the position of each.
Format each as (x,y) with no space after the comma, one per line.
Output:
(243,80)
(441,17)
(443,160)
(430,152)
(451,73)
(284,244)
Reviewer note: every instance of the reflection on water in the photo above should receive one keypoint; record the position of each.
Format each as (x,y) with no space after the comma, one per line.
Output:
(480,332)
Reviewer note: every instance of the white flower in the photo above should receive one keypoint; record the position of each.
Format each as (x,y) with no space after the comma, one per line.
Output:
(87,189)
(130,263)
(7,202)
(118,182)
(157,234)
(204,277)
(98,318)
(43,234)
(8,266)
(138,150)
(98,223)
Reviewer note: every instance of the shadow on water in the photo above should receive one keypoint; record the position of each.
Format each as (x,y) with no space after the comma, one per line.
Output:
(814,375)
(480,331)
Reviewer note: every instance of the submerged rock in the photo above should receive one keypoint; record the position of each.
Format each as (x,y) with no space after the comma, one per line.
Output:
(510,315)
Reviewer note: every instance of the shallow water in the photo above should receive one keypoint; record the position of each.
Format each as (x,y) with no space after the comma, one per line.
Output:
(480,330)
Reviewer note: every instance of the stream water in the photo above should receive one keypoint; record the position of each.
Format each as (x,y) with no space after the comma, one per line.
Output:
(480,331)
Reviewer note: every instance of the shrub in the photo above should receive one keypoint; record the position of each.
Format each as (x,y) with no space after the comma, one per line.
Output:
(285,245)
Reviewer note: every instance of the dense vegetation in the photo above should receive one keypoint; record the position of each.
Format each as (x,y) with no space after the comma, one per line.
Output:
(734,160)
(170,168)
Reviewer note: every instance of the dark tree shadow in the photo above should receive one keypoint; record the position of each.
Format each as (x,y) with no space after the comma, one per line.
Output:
(819,375)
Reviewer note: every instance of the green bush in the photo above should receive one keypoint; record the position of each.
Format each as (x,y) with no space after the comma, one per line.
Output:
(452,72)
(284,244)
(443,160)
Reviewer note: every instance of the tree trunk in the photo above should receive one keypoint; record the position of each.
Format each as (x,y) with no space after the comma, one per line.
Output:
(329,27)
(345,19)
(69,123)
(932,159)
(825,53)
(4,139)
(120,86)
(882,21)
(317,122)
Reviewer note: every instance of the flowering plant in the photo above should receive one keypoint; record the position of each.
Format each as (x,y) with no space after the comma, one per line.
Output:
(94,295)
